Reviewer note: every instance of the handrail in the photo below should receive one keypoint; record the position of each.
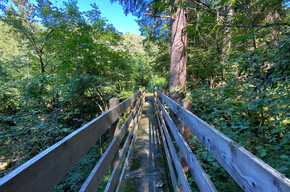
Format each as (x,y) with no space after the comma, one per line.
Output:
(166,150)
(97,174)
(201,178)
(113,181)
(181,175)
(45,170)
(113,184)
(250,172)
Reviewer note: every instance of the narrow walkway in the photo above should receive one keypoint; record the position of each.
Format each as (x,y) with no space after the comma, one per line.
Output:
(147,171)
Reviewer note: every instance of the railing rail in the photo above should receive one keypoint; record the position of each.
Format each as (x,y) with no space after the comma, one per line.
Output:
(250,172)
(197,171)
(45,170)
(96,176)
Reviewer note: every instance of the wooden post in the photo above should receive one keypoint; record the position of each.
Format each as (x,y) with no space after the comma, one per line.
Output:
(114,130)
(163,103)
(186,135)
(142,90)
(154,93)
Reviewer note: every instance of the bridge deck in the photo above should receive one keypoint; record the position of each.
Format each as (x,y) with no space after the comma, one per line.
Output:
(147,168)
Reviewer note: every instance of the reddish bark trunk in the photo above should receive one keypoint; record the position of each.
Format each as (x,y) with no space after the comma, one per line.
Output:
(178,56)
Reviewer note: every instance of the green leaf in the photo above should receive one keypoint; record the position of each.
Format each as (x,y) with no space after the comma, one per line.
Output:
(262,152)
(258,147)
(284,157)
(276,147)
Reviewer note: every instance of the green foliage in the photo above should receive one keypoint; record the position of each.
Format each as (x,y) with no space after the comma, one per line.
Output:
(238,78)
(252,108)
(60,66)
(58,69)
(78,174)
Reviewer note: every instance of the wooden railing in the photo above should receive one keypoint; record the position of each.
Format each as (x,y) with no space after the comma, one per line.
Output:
(250,172)
(45,170)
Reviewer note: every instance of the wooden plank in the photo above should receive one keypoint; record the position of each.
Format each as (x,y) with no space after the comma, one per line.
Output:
(181,175)
(45,170)
(250,172)
(112,183)
(168,158)
(97,174)
(199,175)
(114,130)
(124,170)
(185,132)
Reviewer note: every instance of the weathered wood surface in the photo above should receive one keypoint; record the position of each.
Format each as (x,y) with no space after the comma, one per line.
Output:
(185,132)
(126,163)
(45,170)
(113,181)
(199,175)
(96,176)
(250,172)
(178,167)
(167,153)
(114,130)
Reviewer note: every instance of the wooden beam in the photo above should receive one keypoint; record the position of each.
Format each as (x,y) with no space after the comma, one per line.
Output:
(178,167)
(97,174)
(113,181)
(126,163)
(250,172)
(114,130)
(185,132)
(44,171)
(168,158)
(199,175)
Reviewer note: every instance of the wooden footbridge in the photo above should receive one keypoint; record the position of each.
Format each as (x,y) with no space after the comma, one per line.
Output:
(45,170)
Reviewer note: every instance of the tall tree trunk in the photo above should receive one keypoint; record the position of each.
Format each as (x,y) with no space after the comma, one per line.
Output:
(42,65)
(178,55)
(228,18)
(249,15)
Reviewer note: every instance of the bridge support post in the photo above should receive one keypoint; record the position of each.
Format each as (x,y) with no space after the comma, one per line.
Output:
(186,103)
(114,130)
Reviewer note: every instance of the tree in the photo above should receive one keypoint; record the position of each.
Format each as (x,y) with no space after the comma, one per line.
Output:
(23,20)
(3,5)
(236,68)
(159,10)
(81,70)
(178,53)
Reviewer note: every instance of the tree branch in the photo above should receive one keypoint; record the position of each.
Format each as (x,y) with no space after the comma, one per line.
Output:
(46,37)
(205,7)
(259,26)
(159,16)
(248,26)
